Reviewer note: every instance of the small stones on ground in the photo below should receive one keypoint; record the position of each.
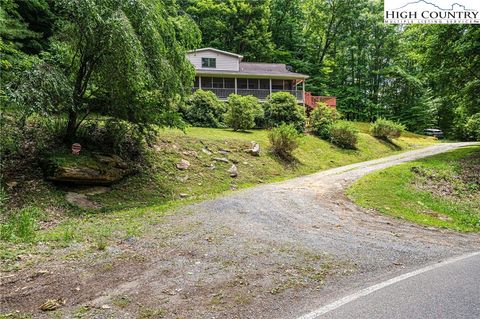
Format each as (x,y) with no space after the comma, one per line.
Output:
(183,195)
(105,307)
(233,171)
(183,164)
(221,159)
(223,152)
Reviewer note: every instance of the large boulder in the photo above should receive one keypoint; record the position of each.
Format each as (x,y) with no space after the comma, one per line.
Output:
(99,169)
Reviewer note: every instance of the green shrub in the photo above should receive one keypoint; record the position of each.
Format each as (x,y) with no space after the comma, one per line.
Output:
(21,225)
(387,129)
(284,140)
(242,112)
(472,128)
(282,108)
(204,109)
(322,118)
(343,134)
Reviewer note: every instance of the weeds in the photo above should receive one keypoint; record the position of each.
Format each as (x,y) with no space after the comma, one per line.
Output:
(21,225)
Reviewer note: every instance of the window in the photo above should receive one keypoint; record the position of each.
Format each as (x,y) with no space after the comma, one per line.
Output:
(209,63)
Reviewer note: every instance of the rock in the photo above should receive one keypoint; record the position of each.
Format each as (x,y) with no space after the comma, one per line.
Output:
(221,159)
(183,195)
(12,184)
(190,153)
(183,164)
(206,151)
(95,190)
(223,152)
(82,170)
(233,171)
(255,150)
(81,201)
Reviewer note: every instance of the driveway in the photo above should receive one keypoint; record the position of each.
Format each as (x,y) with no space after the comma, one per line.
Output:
(274,251)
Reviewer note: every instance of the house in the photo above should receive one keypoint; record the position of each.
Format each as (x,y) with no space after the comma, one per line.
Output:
(225,73)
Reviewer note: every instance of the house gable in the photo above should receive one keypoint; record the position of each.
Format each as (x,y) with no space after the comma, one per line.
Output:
(213,59)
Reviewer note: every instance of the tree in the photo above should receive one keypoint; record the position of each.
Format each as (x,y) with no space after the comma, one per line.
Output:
(124,59)
(239,26)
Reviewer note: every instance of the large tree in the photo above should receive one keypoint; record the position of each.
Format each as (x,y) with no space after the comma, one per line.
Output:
(124,59)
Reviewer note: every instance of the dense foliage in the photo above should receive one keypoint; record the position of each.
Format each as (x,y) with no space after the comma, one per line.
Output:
(282,108)
(204,109)
(322,118)
(242,112)
(419,75)
(387,129)
(123,59)
(343,134)
(284,140)
(472,128)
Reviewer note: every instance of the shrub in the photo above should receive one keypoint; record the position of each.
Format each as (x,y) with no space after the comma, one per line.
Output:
(204,109)
(383,128)
(242,111)
(322,118)
(284,140)
(472,127)
(343,134)
(282,108)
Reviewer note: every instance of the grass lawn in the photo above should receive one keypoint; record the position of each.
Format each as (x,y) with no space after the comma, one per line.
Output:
(139,201)
(440,191)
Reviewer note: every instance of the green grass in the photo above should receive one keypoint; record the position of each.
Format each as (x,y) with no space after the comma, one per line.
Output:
(142,200)
(432,191)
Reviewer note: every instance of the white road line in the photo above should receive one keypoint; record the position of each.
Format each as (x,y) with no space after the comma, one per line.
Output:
(364,292)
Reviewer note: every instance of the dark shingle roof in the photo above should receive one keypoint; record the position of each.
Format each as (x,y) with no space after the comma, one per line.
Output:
(258,69)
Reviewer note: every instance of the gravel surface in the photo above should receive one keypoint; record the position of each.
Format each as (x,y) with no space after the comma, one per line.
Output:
(274,251)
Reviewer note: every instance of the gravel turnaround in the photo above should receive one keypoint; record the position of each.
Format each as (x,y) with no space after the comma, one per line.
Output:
(274,251)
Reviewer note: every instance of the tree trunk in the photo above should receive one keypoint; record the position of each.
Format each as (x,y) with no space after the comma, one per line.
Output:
(71,126)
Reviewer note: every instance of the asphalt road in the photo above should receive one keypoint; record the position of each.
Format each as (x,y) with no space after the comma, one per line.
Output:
(449,291)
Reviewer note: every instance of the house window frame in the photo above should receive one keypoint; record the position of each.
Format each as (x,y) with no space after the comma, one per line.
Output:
(207,63)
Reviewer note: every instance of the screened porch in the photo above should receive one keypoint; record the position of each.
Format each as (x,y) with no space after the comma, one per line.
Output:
(260,88)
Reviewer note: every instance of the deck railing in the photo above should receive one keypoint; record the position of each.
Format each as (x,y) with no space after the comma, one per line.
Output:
(261,94)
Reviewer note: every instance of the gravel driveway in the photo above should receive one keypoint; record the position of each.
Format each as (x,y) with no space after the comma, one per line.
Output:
(273,251)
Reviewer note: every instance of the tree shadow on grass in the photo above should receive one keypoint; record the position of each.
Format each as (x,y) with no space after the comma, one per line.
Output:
(389,143)
(287,161)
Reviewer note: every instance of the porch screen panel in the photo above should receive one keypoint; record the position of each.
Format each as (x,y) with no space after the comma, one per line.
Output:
(242,83)
(195,84)
(217,83)
(207,82)
(276,84)
(229,83)
(265,84)
(253,84)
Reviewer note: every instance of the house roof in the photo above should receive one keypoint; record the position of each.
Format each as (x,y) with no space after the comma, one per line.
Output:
(265,70)
(217,50)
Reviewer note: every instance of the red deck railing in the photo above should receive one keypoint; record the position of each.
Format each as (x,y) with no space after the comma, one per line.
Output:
(312,100)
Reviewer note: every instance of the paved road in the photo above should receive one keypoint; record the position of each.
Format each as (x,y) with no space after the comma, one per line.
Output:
(448,291)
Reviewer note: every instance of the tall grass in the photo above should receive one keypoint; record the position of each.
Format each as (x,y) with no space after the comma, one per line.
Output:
(20,226)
